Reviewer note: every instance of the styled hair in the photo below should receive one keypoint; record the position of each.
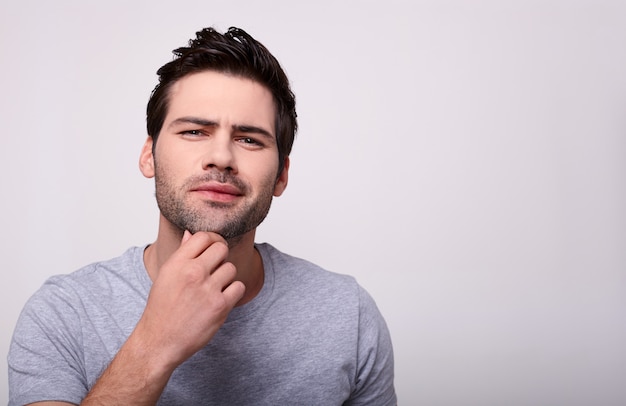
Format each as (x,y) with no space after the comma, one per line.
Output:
(235,53)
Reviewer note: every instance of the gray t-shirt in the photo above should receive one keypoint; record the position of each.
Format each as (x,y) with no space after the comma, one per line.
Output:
(310,337)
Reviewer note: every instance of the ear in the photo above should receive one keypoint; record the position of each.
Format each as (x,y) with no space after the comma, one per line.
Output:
(146,159)
(281,182)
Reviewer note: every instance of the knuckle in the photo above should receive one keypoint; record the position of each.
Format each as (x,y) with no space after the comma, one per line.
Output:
(193,273)
(203,236)
(220,249)
(210,236)
(227,272)
(219,303)
(222,304)
(229,268)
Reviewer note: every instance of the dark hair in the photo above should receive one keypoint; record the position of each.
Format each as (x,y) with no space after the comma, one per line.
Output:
(236,53)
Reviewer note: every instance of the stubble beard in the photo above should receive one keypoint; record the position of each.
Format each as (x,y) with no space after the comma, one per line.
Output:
(230,220)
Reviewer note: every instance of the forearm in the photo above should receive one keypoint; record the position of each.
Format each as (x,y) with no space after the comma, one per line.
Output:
(135,376)
(188,303)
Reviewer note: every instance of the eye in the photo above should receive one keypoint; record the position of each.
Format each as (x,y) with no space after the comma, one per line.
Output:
(191,132)
(249,141)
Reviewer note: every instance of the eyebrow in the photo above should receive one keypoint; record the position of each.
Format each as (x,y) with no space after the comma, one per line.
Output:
(242,128)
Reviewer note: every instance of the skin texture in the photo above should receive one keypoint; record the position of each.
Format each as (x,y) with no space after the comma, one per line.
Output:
(215,165)
(238,156)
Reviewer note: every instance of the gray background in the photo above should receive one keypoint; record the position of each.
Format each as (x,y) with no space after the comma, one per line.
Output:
(464,160)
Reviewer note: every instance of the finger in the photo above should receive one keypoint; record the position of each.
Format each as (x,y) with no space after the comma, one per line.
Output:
(224,275)
(234,292)
(214,255)
(196,244)
(186,236)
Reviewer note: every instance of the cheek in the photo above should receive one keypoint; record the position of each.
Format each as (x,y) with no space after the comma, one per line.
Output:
(164,172)
(173,163)
(268,175)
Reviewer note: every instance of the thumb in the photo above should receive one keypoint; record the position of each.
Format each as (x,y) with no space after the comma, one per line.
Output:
(186,236)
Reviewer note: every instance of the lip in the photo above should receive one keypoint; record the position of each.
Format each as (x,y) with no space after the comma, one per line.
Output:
(221,192)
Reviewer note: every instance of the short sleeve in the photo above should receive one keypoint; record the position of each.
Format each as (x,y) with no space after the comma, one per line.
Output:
(375,365)
(45,358)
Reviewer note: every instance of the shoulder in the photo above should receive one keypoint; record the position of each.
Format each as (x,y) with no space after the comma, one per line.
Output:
(100,282)
(282,261)
(303,281)
(102,275)
(71,325)
(303,273)
(346,312)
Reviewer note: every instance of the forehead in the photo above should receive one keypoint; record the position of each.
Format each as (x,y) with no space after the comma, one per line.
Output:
(221,97)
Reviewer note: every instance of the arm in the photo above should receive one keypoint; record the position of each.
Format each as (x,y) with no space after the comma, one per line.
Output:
(188,303)
(375,369)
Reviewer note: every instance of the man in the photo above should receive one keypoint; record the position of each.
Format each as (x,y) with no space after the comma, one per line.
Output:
(204,315)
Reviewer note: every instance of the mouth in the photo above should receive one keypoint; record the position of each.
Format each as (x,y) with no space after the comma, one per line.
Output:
(218,192)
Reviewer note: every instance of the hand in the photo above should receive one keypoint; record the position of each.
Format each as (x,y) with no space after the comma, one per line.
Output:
(190,299)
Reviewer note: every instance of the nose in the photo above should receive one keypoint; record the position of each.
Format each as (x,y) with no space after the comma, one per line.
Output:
(219,153)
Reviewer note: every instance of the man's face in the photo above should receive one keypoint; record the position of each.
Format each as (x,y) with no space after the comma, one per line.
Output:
(216,159)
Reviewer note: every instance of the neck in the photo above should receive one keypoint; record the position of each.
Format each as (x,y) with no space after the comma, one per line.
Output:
(242,254)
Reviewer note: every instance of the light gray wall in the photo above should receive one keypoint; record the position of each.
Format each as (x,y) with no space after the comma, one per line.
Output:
(463,159)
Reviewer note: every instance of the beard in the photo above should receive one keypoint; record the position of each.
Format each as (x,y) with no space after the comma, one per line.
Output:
(230,220)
